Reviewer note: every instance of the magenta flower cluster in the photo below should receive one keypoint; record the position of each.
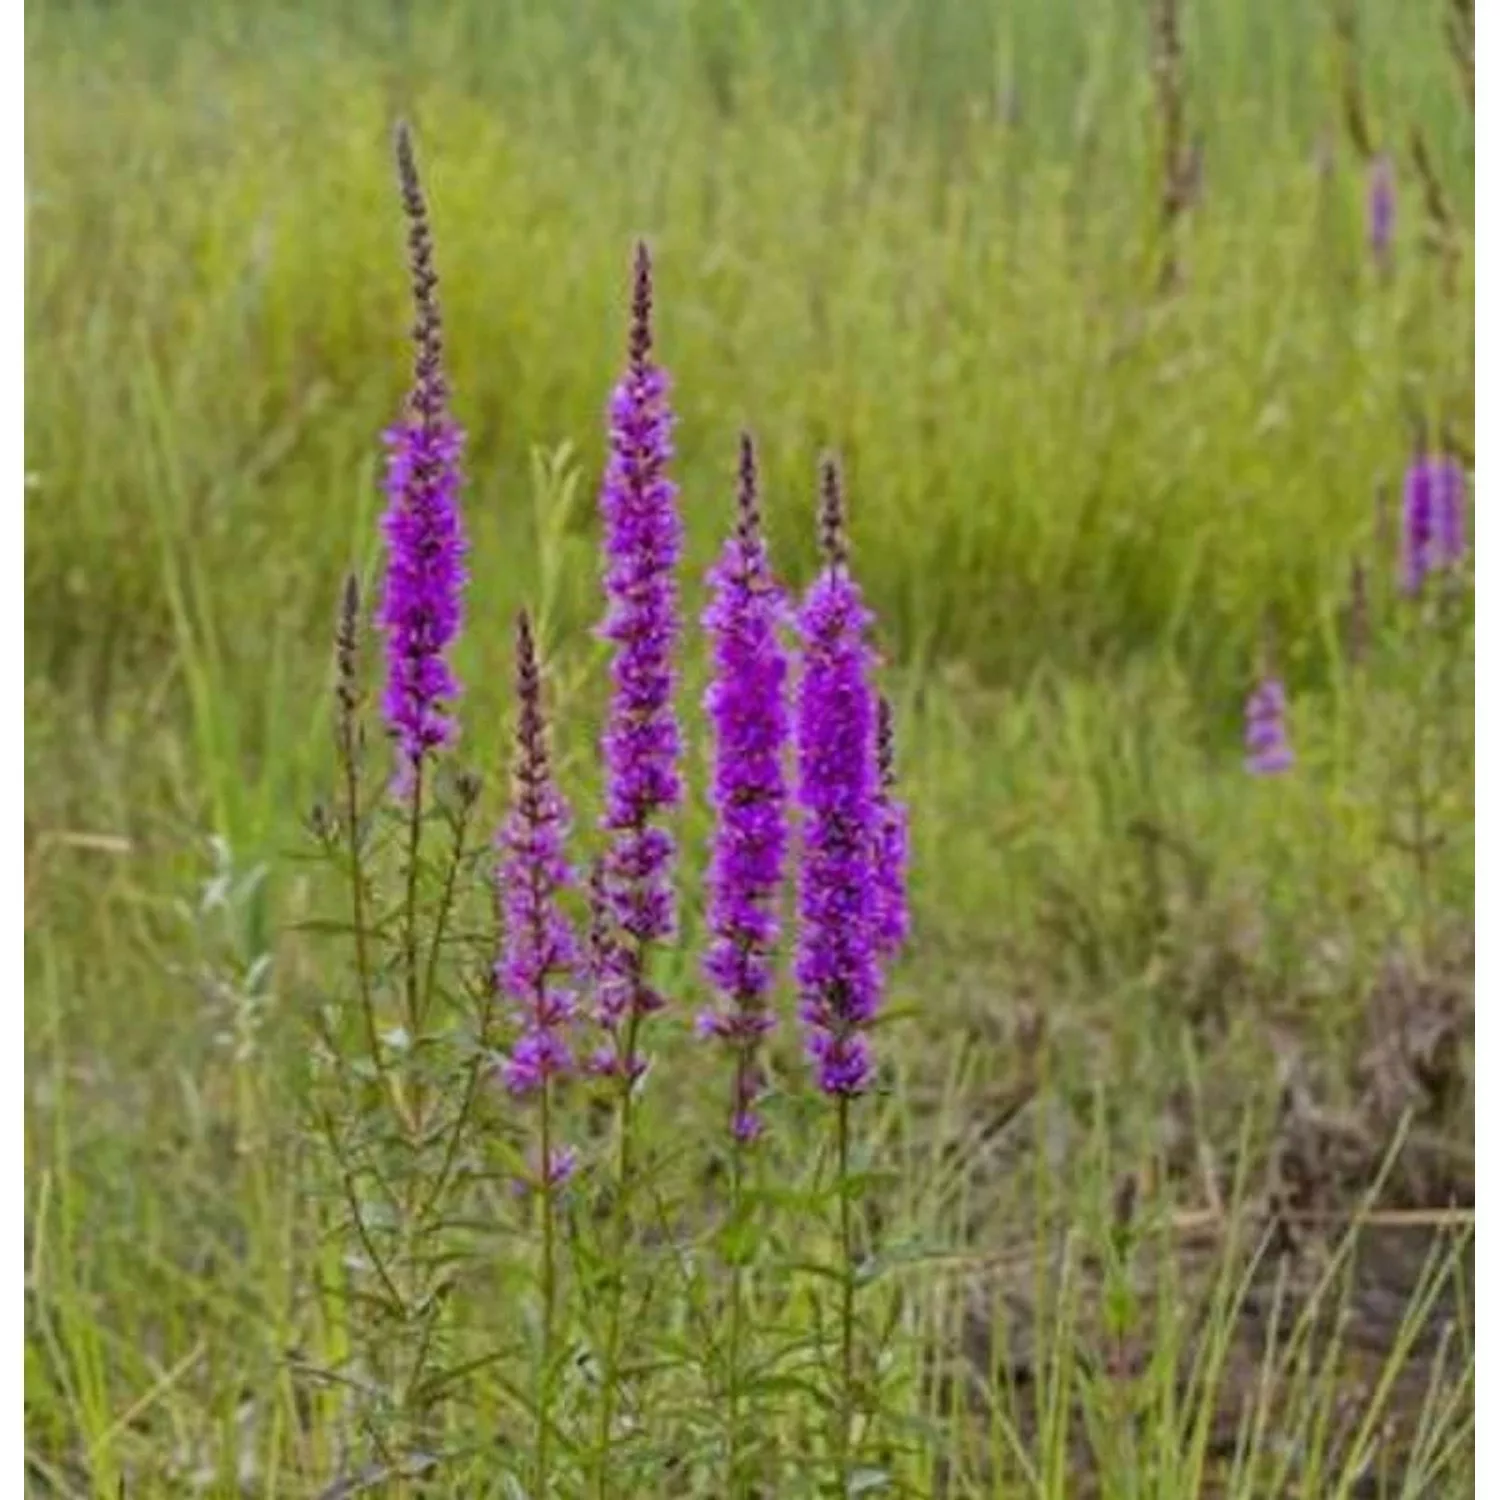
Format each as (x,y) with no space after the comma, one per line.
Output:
(838,975)
(642,743)
(421,610)
(746,705)
(851,889)
(1432,531)
(1268,750)
(540,954)
(1433,541)
(539,961)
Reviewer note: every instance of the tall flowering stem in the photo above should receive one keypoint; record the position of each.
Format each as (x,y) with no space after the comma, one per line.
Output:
(1180,163)
(837,971)
(422,607)
(349,738)
(642,743)
(746,705)
(1434,545)
(420,614)
(837,967)
(641,751)
(536,972)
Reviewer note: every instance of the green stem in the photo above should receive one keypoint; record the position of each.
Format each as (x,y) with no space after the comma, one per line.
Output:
(736,1302)
(461,1118)
(357,903)
(549,1297)
(611,1372)
(409,918)
(440,923)
(844,1447)
(410,1232)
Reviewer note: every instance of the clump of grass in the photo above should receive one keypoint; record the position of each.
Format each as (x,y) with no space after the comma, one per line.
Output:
(1010,459)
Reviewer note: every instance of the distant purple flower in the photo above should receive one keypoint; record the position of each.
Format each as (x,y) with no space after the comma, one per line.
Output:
(1416,525)
(746,702)
(421,610)
(892,918)
(1449,499)
(1268,751)
(1381,209)
(838,974)
(563,1163)
(1433,531)
(642,744)
(540,959)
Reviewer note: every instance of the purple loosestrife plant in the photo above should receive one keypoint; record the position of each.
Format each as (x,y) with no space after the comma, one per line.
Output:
(837,972)
(536,971)
(892,918)
(1267,749)
(422,607)
(1416,525)
(540,958)
(642,743)
(746,703)
(634,901)
(840,900)
(391,1152)
(1432,529)
(421,610)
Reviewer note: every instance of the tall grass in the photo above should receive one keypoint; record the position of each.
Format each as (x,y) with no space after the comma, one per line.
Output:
(1049,472)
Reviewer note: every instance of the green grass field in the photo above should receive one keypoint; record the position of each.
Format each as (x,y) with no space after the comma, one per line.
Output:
(925,234)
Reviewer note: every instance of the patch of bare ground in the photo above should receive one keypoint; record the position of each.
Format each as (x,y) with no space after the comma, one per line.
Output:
(1306,1330)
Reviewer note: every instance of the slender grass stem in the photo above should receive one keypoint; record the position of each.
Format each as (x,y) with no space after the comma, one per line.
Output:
(441,917)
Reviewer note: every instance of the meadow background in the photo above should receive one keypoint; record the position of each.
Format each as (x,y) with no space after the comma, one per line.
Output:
(925,234)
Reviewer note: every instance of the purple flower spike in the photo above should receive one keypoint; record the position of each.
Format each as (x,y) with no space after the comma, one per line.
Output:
(1268,752)
(1433,532)
(892,918)
(1416,525)
(746,703)
(1449,545)
(1381,209)
(642,744)
(540,958)
(421,610)
(837,971)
